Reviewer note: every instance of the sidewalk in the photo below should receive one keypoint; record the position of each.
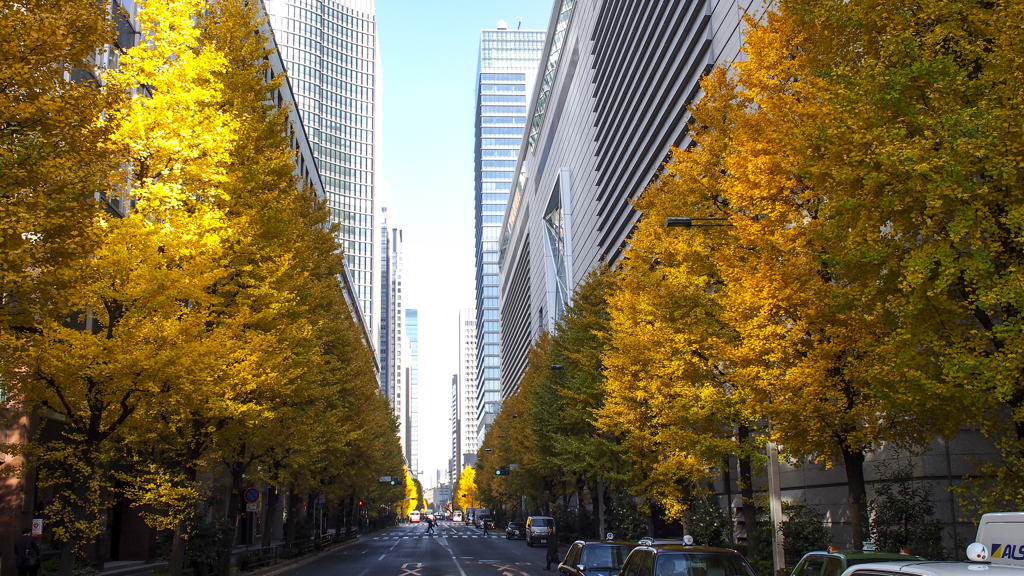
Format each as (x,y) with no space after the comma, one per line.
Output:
(126,567)
(140,568)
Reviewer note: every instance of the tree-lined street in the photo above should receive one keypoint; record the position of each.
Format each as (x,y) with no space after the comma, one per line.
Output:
(407,550)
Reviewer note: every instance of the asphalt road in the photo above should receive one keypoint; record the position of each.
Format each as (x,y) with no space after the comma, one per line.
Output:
(455,550)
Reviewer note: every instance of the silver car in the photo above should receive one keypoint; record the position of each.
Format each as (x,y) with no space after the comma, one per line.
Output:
(539,529)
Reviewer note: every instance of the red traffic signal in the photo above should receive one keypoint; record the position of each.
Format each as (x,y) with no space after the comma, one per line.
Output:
(360,502)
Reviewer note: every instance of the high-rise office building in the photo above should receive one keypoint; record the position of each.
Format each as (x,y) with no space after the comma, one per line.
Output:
(464,396)
(506,72)
(453,462)
(394,345)
(610,104)
(330,51)
(412,392)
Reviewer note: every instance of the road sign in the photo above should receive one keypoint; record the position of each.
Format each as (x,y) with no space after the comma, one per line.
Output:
(385,478)
(252,495)
(37,527)
(251,507)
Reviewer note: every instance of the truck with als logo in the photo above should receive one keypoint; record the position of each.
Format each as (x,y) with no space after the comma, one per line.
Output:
(1002,533)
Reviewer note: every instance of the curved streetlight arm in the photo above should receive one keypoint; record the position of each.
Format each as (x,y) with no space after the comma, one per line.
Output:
(687,222)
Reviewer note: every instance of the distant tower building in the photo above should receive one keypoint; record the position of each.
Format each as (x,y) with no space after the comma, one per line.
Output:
(330,50)
(394,347)
(386,331)
(506,72)
(453,462)
(411,385)
(466,394)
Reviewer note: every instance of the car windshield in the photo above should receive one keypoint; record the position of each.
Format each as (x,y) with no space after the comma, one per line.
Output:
(513,525)
(690,564)
(543,522)
(604,556)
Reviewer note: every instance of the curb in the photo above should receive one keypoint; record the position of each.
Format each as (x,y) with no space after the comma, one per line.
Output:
(140,569)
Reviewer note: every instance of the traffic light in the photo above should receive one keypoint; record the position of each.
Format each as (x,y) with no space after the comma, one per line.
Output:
(392,482)
(463,495)
(503,471)
(360,502)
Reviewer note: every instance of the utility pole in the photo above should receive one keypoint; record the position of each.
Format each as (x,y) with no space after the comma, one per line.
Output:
(775,508)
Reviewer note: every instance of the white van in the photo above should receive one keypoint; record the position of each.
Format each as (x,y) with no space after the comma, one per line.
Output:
(457,516)
(1002,533)
(539,529)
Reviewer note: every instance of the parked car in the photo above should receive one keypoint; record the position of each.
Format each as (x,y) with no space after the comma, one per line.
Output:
(539,529)
(914,568)
(681,560)
(1002,533)
(834,562)
(514,531)
(650,541)
(595,558)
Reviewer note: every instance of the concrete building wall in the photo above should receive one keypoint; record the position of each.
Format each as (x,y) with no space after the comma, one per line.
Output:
(609,103)
(940,468)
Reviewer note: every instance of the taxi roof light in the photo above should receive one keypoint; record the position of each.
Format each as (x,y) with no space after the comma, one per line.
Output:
(977,552)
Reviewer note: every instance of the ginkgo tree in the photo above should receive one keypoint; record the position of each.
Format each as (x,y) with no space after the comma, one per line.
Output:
(206,326)
(53,166)
(466,494)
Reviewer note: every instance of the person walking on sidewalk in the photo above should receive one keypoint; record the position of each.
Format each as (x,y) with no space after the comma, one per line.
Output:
(26,554)
(552,549)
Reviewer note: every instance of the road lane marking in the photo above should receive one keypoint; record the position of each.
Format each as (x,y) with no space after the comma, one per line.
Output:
(411,571)
(382,556)
(444,544)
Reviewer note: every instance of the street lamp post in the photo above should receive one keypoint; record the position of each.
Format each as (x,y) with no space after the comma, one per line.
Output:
(774,480)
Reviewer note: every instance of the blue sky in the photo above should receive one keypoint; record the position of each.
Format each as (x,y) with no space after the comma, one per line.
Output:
(429,53)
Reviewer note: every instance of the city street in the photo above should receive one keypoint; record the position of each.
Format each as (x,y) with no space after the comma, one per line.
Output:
(407,550)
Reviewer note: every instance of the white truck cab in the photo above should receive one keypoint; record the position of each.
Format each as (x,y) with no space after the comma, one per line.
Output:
(1002,533)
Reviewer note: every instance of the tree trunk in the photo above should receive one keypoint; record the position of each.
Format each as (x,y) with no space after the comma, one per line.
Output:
(595,503)
(272,515)
(67,551)
(314,529)
(857,498)
(293,516)
(353,513)
(231,524)
(176,563)
(67,557)
(747,493)
(727,484)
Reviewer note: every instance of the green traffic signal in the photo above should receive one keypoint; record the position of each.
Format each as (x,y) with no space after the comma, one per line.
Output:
(392,482)
(498,472)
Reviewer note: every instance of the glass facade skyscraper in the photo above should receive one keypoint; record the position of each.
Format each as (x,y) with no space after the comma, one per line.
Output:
(412,381)
(330,51)
(507,69)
